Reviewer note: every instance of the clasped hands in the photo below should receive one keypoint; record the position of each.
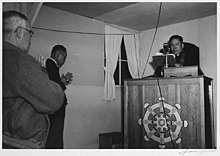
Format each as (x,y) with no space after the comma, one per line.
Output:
(67,78)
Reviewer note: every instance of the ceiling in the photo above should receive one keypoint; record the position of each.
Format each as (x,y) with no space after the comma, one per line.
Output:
(138,16)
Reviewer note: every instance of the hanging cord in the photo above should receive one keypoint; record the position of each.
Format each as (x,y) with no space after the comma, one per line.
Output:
(165,115)
(158,19)
(76,32)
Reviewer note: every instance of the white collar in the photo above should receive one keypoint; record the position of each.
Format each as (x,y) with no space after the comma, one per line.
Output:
(53,61)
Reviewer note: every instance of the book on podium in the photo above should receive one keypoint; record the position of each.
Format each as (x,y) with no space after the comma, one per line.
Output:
(167,60)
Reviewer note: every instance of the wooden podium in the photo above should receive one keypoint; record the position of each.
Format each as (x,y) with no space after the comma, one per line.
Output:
(173,113)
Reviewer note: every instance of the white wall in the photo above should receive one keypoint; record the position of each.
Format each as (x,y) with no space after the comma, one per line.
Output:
(201,32)
(87,114)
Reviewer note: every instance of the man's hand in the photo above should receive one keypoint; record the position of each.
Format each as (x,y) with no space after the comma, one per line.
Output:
(178,65)
(67,78)
(41,62)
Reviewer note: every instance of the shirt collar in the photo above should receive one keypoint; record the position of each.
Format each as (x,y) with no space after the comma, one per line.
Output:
(53,61)
(180,53)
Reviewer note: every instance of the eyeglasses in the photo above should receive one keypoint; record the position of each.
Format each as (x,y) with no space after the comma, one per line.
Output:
(30,31)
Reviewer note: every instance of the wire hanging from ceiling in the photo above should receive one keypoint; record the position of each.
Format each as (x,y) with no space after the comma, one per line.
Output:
(76,32)
(158,19)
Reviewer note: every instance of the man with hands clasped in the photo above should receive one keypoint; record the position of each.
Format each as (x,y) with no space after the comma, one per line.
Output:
(56,61)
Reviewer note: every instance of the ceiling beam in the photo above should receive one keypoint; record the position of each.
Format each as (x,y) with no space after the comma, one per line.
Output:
(33,12)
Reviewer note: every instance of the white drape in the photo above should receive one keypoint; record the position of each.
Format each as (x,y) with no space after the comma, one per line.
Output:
(132,46)
(112,48)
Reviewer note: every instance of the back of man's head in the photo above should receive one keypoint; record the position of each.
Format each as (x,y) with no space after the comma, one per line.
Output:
(12,20)
(15,28)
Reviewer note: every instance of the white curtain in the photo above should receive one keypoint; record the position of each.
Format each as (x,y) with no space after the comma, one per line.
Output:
(132,46)
(112,48)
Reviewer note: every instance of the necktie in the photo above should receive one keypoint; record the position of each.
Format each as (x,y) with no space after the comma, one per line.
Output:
(177,59)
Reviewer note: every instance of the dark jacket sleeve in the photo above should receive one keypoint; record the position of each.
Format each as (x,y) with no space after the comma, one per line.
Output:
(53,72)
(191,54)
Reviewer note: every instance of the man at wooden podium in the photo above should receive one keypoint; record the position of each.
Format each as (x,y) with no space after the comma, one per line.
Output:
(186,54)
(171,112)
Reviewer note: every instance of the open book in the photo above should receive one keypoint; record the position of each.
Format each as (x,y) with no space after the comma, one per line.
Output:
(160,60)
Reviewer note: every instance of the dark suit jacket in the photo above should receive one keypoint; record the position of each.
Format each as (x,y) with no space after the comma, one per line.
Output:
(53,72)
(190,54)
(55,137)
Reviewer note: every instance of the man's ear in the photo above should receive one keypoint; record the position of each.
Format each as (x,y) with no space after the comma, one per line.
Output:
(182,45)
(18,33)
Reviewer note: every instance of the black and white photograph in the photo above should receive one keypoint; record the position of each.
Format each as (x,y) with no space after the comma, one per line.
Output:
(109,77)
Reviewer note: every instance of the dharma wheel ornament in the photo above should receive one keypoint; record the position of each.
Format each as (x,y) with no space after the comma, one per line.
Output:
(160,127)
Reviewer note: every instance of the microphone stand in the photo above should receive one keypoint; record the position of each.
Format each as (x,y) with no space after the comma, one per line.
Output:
(166,51)
(166,61)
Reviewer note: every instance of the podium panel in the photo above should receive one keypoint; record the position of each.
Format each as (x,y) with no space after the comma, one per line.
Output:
(168,113)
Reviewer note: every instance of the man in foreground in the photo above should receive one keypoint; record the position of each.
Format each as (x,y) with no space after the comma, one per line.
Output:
(28,94)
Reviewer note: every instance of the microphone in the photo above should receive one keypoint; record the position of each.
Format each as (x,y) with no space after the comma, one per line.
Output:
(166,51)
(166,48)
